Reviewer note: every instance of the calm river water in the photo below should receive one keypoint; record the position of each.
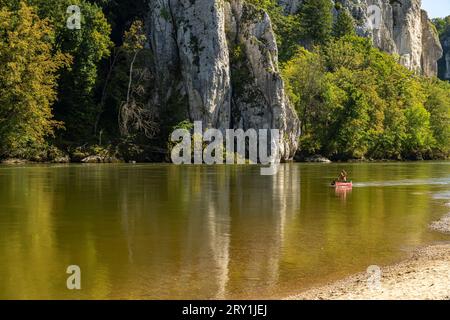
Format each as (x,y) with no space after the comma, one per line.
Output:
(205,232)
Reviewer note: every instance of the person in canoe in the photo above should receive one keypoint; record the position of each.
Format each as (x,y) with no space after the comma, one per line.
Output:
(342,178)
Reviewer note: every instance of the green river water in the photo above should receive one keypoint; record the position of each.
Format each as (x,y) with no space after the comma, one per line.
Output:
(206,232)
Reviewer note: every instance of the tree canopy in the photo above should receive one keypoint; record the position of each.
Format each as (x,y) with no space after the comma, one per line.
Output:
(73,85)
(357,102)
(29,67)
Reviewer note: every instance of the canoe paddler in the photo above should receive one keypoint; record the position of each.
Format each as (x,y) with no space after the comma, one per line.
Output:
(343,176)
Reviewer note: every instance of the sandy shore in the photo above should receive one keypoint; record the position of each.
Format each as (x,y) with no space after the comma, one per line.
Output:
(442,225)
(425,275)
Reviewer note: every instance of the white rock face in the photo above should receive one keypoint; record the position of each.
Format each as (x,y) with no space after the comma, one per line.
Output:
(259,99)
(203,51)
(404,30)
(194,45)
(408,33)
(164,47)
(432,49)
(189,37)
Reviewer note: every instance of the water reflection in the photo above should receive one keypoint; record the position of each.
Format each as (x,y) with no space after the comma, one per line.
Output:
(222,214)
(162,231)
(343,192)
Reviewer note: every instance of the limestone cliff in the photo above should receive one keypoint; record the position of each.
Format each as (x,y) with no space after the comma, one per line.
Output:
(222,57)
(444,63)
(405,30)
(432,49)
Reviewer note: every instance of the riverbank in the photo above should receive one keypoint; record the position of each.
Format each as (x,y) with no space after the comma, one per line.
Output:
(442,225)
(425,275)
(139,154)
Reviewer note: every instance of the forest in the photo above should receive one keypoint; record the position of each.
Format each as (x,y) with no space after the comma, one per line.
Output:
(69,93)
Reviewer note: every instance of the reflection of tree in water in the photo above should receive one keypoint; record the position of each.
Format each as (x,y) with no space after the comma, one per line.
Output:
(27,235)
(200,232)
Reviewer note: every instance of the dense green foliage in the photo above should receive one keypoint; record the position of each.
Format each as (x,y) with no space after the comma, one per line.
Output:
(287,27)
(92,83)
(355,101)
(76,105)
(316,21)
(89,89)
(344,25)
(28,74)
(442,26)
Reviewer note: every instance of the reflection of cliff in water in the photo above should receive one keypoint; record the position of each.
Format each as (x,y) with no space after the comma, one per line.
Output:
(215,208)
(191,232)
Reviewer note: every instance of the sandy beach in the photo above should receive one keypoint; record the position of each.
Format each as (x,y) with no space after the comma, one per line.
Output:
(442,225)
(425,275)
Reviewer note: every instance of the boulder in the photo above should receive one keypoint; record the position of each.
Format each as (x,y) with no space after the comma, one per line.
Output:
(317,159)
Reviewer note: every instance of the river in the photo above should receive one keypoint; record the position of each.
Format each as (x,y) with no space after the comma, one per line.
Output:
(160,231)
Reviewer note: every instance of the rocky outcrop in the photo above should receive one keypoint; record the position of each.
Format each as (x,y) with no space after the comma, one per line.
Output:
(100,159)
(432,50)
(222,56)
(404,30)
(444,63)
(317,159)
(259,99)
(202,50)
(163,45)
(14,161)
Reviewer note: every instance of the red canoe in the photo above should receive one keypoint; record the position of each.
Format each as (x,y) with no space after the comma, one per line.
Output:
(343,184)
